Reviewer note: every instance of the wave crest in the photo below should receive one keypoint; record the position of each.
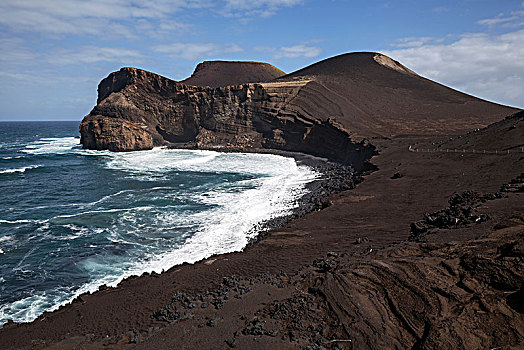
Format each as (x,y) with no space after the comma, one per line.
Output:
(19,170)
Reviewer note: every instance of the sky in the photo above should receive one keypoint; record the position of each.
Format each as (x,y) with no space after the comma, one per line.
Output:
(53,53)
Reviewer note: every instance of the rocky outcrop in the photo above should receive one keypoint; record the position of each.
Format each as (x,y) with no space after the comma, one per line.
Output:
(115,134)
(461,212)
(329,109)
(464,295)
(155,111)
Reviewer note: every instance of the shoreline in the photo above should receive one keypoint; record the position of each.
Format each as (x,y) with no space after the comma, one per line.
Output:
(334,178)
(313,199)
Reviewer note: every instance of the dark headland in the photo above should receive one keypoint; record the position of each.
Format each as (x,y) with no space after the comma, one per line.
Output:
(426,252)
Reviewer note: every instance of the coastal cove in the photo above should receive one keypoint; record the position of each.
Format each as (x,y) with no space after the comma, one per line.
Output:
(378,221)
(75,219)
(304,214)
(261,175)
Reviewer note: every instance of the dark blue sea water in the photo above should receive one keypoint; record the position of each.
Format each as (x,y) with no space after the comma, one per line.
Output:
(72,219)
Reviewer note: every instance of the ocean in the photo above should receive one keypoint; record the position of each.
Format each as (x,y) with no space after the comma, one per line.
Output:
(72,220)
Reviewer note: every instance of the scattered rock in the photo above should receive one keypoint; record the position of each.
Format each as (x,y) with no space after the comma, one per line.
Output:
(213,322)
(515,185)
(397,175)
(325,264)
(255,327)
(461,212)
(231,342)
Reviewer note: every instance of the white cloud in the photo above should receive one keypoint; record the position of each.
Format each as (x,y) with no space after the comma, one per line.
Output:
(416,41)
(512,20)
(18,56)
(14,51)
(93,54)
(516,19)
(441,9)
(118,17)
(30,78)
(488,66)
(193,51)
(85,17)
(250,8)
(298,51)
(295,51)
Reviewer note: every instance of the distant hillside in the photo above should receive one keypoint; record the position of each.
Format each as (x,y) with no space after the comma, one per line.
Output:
(504,135)
(224,73)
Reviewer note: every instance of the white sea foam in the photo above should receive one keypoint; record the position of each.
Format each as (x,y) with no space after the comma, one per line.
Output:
(234,218)
(163,160)
(93,153)
(89,212)
(77,231)
(68,205)
(9,158)
(200,159)
(58,145)
(19,265)
(159,160)
(15,221)
(109,196)
(19,170)
(28,309)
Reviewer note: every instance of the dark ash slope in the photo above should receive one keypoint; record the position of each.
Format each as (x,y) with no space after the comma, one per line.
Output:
(224,73)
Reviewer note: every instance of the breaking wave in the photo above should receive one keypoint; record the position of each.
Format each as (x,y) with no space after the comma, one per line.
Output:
(96,218)
(19,170)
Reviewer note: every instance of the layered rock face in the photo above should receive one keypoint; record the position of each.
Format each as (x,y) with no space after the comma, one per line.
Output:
(138,110)
(328,109)
(114,134)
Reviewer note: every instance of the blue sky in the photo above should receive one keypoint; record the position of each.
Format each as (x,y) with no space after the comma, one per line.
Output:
(54,52)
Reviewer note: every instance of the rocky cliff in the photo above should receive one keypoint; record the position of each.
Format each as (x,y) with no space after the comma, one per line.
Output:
(329,109)
(137,110)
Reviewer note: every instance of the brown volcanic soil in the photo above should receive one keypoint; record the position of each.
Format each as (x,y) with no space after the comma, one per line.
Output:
(453,288)
(224,73)
(458,288)
(505,135)
(377,96)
